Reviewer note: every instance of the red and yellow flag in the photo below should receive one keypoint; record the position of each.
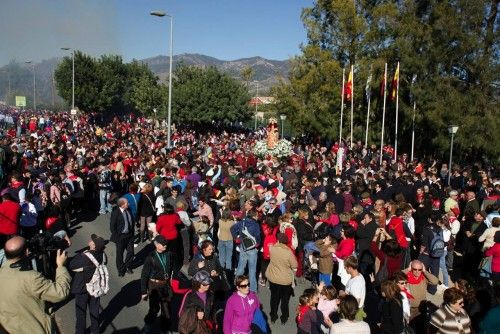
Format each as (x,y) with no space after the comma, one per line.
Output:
(348,87)
(395,82)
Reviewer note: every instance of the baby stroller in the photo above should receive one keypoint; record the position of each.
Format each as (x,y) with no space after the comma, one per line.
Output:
(310,262)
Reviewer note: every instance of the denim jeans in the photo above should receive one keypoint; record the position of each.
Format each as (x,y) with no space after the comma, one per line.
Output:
(444,269)
(325,278)
(225,248)
(103,198)
(250,257)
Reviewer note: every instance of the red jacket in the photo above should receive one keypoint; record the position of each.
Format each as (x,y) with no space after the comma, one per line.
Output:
(10,213)
(166,225)
(269,234)
(396,224)
(495,252)
(345,248)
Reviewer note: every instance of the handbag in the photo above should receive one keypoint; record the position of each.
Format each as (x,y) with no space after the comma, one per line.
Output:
(383,273)
(248,241)
(406,328)
(485,267)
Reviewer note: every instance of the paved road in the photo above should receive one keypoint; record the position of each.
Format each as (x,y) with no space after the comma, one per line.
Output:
(123,311)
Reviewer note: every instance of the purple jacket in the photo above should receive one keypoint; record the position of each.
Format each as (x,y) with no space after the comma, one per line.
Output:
(238,315)
(194,178)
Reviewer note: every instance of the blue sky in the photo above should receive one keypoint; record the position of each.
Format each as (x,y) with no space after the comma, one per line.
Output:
(225,29)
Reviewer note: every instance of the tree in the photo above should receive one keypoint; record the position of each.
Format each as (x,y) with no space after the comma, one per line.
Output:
(86,81)
(247,75)
(452,47)
(108,85)
(203,95)
(146,94)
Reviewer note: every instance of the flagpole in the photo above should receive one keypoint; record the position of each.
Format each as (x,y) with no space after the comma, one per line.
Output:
(342,106)
(413,130)
(383,115)
(368,97)
(352,101)
(397,113)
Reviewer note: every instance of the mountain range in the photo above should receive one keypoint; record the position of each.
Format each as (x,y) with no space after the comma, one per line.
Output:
(266,73)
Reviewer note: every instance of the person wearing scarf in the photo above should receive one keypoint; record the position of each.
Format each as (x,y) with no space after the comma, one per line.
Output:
(418,279)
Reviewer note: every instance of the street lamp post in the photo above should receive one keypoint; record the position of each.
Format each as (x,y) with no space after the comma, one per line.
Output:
(283,118)
(169,114)
(34,84)
(72,77)
(452,129)
(256,104)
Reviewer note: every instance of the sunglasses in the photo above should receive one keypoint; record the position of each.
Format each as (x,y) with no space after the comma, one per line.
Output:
(402,283)
(205,284)
(415,269)
(243,286)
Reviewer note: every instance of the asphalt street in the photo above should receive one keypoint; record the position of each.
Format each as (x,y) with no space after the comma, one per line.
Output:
(122,309)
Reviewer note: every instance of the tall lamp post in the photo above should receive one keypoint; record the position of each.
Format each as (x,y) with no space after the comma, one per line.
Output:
(34,84)
(256,104)
(169,114)
(283,118)
(72,77)
(452,129)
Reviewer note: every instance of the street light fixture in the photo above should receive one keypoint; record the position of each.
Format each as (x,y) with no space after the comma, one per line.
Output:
(169,113)
(283,118)
(452,129)
(72,78)
(34,84)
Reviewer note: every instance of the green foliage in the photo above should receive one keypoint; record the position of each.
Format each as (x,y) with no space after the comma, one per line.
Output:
(247,75)
(202,95)
(146,94)
(107,84)
(452,47)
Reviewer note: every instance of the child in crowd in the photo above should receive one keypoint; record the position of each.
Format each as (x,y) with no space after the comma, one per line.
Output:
(328,302)
(327,248)
(309,318)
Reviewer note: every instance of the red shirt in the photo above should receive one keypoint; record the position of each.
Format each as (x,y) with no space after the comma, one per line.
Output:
(495,252)
(10,213)
(345,248)
(166,225)
(393,263)
(396,224)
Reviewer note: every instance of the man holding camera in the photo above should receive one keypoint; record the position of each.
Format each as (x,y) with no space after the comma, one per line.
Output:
(25,291)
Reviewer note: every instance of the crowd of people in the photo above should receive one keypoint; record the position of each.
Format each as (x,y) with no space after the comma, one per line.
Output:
(371,241)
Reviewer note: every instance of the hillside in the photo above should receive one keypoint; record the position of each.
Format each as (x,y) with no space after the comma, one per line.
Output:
(266,73)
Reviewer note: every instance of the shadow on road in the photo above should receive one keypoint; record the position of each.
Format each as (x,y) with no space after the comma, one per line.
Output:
(140,257)
(128,296)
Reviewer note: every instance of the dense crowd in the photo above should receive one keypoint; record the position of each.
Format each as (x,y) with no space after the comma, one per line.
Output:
(372,240)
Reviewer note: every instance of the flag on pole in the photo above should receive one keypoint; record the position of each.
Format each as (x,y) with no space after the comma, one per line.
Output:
(367,88)
(395,82)
(382,86)
(348,87)
(413,80)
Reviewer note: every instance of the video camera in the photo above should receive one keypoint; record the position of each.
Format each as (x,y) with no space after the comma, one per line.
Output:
(44,243)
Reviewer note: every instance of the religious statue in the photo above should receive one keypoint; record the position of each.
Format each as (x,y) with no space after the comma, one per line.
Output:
(272,133)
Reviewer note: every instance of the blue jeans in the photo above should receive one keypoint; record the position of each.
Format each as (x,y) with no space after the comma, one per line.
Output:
(225,253)
(444,269)
(250,257)
(325,278)
(103,198)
